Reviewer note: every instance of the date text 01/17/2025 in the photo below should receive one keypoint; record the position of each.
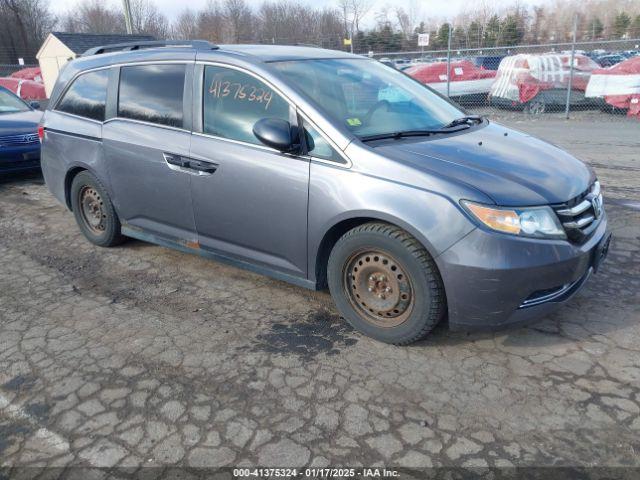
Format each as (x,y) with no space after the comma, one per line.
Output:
(315,473)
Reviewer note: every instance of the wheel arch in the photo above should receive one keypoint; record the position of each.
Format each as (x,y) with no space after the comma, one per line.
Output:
(73,171)
(68,180)
(342,225)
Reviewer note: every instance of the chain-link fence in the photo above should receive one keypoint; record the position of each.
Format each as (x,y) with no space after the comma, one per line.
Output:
(7,69)
(555,78)
(588,78)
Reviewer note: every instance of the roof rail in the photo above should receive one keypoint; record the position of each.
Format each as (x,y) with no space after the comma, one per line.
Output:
(311,45)
(197,44)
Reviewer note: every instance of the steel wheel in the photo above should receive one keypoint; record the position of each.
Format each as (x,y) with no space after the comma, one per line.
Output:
(92,209)
(378,288)
(536,107)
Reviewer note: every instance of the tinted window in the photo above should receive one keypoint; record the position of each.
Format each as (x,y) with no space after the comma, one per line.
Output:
(152,93)
(317,146)
(87,95)
(235,101)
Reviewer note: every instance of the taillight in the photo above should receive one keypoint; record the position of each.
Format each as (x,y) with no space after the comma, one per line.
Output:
(40,132)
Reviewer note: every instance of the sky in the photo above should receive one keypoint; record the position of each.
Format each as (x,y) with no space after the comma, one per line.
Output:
(429,8)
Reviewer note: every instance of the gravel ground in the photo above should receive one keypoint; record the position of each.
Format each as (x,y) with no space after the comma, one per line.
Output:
(143,356)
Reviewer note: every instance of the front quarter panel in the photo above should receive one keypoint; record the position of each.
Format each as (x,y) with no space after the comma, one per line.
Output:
(337,194)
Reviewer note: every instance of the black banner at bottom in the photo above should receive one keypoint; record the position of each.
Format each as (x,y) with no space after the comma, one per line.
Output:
(308,473)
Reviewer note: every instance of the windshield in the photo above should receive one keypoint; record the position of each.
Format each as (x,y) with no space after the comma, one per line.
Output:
(9,103)
(368,97)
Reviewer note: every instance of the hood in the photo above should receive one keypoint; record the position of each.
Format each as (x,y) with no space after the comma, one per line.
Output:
(513,168)
(20,122)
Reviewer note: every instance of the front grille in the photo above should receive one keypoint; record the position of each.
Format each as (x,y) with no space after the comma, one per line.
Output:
(19,140)
(580,215)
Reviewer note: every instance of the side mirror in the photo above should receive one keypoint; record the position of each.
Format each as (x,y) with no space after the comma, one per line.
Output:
(35,105)
(275,133)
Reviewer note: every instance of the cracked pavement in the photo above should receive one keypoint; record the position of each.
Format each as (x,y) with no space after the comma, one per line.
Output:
(144,356)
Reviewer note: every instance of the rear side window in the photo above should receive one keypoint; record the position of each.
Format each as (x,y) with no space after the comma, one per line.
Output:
(152,93)
(234,101)
(87,95)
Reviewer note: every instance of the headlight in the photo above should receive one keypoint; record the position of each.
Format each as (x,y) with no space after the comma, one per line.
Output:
(536,222)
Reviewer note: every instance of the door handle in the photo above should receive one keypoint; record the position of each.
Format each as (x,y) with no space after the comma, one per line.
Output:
(176,160)
(204,167)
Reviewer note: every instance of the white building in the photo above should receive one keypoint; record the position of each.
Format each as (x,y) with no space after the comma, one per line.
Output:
(60,47)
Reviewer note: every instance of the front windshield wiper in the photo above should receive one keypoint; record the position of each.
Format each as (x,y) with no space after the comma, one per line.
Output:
(467,120)
(414,133)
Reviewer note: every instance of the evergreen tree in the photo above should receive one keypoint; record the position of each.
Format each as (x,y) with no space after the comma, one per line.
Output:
(621,24)
(634,29)
(360,43)
(433,39)
(474,34)
(596,28)
(511,33)
(492,32)
(443,35)
(459,39)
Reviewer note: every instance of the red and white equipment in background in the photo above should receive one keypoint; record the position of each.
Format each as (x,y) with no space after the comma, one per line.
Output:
(465,77)
(522,77)
(25,89)
(619,85)
(30,73)
(25,83)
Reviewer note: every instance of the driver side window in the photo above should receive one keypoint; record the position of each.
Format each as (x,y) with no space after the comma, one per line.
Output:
(234,101)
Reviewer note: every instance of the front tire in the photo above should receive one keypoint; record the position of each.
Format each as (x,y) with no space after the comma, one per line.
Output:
(94,211)
(385,284)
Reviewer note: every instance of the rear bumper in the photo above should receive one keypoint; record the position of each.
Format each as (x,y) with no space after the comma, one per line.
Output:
(494,280)
(18,159)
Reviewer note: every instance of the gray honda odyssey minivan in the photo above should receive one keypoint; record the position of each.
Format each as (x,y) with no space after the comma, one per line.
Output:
(323,169)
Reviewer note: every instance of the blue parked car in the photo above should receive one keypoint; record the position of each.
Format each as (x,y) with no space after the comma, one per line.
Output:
(19,143)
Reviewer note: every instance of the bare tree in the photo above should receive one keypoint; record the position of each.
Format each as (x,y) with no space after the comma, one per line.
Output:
(146,18)
(186,25)
(239,20)
(25,24)
(408,19)
(286,21)
(211,22)
(353,12)
(93,16)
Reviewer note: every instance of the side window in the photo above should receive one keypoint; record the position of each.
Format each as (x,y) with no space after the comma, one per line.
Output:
(318,147)
(87,95)
(234,101)
(152,93)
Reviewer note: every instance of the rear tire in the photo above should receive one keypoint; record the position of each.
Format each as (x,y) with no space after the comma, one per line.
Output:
(536,107)
(385,284)
(94,211)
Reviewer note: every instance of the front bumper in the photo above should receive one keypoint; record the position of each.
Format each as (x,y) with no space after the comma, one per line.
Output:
(18,159)
(494,280)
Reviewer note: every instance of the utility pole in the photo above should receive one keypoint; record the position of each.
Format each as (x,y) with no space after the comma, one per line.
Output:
(127,16)
(449,61)
(573,57)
